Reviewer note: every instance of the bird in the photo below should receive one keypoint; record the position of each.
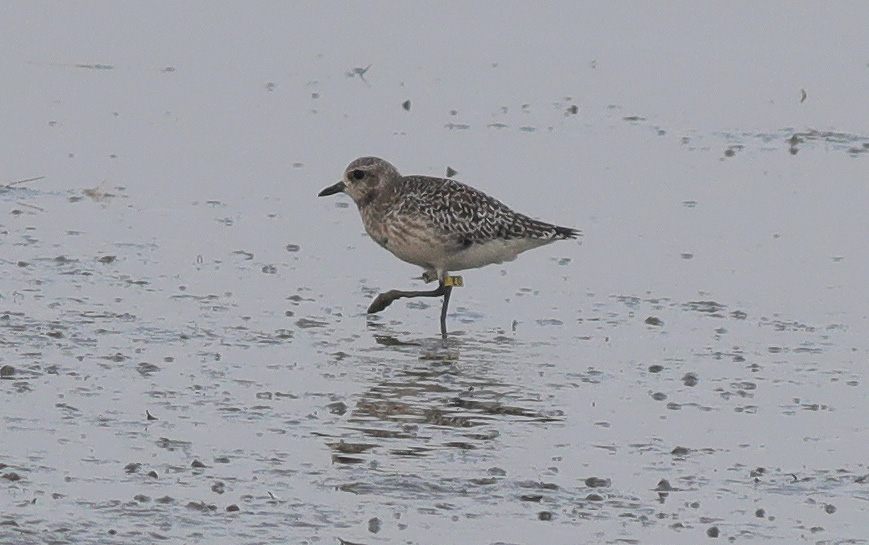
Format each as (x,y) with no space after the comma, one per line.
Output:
(439,224)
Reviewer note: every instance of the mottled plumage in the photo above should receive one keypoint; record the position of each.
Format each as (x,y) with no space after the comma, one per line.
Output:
(439,224)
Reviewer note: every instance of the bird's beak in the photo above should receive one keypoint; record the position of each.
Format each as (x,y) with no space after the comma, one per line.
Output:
(332,189)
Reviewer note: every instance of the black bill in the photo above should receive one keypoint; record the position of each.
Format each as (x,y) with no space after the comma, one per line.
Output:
(332,189)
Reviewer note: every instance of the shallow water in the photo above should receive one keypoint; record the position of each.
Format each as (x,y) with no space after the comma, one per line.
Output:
(184,351)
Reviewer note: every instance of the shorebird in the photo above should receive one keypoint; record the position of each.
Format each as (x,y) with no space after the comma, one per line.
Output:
(438,224)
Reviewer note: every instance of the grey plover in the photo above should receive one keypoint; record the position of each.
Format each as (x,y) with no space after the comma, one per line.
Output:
(438,224)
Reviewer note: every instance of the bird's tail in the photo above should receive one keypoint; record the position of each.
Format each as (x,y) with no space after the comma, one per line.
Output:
(567,232)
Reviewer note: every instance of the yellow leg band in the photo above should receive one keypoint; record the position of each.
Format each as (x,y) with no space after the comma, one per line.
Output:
(454,281)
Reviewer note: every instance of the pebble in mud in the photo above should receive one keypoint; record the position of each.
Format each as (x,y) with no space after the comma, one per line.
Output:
(664,486)
(597,482)
(338,407)
(201,506)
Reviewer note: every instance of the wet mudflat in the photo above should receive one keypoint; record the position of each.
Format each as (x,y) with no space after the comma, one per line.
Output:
(184,351)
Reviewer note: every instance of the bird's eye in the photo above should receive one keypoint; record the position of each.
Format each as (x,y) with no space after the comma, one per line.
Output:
(358,174)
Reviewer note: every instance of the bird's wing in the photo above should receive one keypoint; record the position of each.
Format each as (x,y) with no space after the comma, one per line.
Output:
(468,215)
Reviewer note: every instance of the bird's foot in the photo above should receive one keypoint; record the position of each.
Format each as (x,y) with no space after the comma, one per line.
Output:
(429,276)
(382,301)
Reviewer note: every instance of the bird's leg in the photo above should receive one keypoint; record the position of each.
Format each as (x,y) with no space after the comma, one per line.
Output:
(385,299)
(445,287)
(447,290)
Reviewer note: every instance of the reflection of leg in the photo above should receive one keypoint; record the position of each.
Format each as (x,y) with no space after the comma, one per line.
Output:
(385,299)
(447,290)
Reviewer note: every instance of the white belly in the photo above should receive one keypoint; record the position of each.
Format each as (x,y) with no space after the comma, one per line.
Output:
(487,253)
(431,254)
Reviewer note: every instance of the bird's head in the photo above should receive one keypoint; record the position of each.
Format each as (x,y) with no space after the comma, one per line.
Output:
(363,179)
